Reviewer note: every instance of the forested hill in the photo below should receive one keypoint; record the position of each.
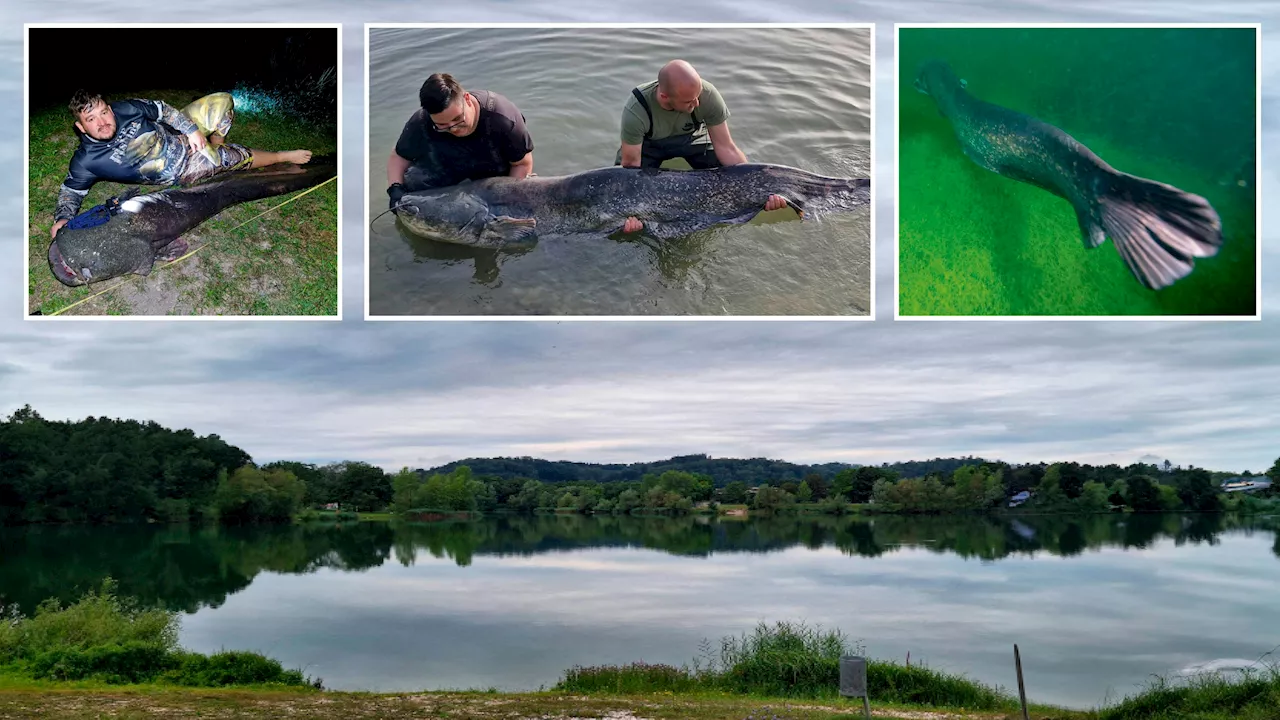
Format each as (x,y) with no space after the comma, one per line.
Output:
(99,469)
(721,470)
(937,466)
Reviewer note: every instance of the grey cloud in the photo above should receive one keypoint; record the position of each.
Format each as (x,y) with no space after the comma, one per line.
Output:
(395,392)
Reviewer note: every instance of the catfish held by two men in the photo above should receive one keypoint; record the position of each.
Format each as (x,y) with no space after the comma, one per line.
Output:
(1158,229)
(499,211)
(130,233)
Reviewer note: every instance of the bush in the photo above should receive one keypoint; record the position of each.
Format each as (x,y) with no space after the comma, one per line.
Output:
(106,638)
(131,662)
(231,668)
(787,660)
(1253,695)
(628,679)
(98,619)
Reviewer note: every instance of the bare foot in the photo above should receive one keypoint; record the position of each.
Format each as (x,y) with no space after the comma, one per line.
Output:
(632,225)
(299,157)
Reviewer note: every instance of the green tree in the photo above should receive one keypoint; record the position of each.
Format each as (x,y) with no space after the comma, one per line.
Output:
(818,485)
(772,499)
(1143,494)
(735,493)
(804,493)
(1094,497)
(405,486)
(1198,492)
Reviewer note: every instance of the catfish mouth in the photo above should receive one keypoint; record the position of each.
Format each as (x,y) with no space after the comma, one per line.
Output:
(430,227)
(60,268)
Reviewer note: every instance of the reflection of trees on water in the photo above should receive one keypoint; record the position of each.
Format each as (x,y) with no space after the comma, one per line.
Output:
(176,567)
(186,568)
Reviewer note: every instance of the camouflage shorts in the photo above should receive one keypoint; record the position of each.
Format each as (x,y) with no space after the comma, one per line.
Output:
(214,160)
(213,115)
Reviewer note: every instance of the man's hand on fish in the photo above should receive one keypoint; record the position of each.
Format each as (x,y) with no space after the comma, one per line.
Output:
(775,202)
(197,140)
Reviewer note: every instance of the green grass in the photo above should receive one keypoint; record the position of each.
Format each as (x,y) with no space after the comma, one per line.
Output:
(110,640)
(283,263)
(1212,696)
(788,660)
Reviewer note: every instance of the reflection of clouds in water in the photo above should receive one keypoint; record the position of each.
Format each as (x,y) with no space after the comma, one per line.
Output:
(1086,624)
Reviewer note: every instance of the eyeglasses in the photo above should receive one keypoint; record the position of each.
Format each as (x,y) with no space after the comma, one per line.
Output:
(460,123)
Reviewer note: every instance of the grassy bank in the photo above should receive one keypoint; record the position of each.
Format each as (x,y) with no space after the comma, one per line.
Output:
(283,263)
(103,654)
(106,639)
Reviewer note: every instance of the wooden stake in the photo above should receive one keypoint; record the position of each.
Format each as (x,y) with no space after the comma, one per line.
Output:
(1022,689)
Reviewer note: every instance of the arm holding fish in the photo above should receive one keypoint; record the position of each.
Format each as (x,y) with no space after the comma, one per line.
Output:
(71,194)
(396,166)
(171,116)
(727,153)
(516,147)
(407,150)
(632,143)
(523,168)
(631,159)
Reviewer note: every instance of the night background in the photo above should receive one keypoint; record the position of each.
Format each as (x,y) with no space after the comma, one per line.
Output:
(293,70)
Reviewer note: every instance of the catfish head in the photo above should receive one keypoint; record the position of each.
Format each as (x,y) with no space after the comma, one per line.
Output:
(936,79)
(90,255)
(454,215)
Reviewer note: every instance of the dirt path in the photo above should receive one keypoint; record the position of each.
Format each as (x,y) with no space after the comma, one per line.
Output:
(197,703)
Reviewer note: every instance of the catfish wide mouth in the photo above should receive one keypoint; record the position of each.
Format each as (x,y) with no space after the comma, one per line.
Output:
(61,270)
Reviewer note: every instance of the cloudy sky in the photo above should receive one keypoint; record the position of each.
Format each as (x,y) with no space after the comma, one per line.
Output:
(401,393)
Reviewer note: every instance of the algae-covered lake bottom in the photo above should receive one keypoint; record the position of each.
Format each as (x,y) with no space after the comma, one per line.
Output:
(1175,106)
(1097,604)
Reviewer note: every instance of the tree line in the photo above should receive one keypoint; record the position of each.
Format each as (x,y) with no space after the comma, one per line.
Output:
(105,470)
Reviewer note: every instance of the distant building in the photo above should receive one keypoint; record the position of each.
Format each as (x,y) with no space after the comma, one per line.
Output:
(1020,498)
(1246,484)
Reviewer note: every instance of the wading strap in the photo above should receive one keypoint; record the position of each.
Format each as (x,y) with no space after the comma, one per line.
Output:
(648,134)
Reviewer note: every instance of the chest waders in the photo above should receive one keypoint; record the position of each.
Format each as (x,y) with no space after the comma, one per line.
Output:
(696,150)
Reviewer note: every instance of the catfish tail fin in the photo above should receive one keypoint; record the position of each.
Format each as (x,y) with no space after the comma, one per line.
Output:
(1158,229)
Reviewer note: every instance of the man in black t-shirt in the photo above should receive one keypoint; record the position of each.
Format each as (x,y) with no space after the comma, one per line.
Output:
(456,136)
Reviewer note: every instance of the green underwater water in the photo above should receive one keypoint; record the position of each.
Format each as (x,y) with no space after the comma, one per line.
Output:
(1173,105)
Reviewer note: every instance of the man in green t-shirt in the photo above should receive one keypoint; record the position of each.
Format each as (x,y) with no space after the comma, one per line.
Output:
(679,115)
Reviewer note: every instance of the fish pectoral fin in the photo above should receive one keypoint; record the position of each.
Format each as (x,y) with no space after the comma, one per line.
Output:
(513,229)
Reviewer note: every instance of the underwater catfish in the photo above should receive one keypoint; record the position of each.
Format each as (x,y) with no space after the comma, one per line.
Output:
(1158,229)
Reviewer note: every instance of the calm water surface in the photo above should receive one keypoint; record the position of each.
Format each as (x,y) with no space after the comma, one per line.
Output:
(797,97)
(1096,604)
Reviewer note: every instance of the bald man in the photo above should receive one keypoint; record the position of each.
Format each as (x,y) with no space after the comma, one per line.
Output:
(679,115)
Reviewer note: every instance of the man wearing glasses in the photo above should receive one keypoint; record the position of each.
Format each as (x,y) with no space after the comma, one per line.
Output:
(455,136)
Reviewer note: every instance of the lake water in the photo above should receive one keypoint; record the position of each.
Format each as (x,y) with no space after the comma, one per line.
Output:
(798,97)
(1097,605)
